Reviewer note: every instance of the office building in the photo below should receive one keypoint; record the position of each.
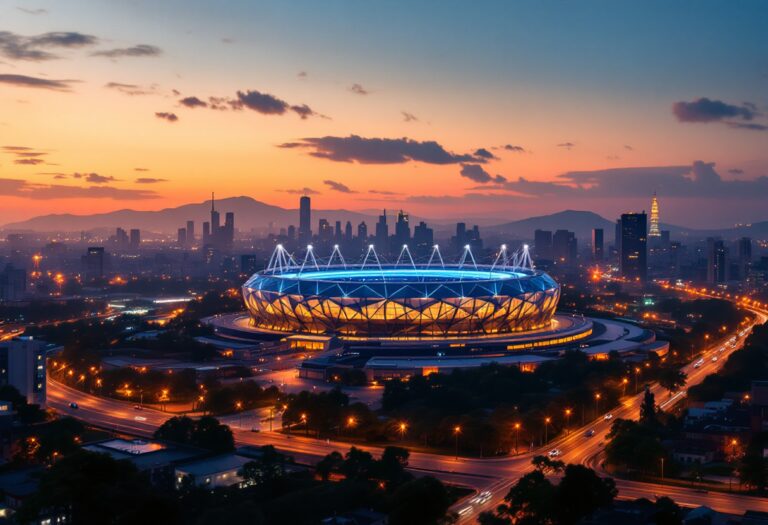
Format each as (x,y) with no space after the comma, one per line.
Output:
(717,261)
(362,231)
(93,262)
(564,247)
(423,238)
(597,244)
(324,230)
(22,365)
(13,283)
(191,232)
(402,230)
(542,245)
(633,251)
(382,231)
(135,240)
(181,237)
(305,219)
(348,232)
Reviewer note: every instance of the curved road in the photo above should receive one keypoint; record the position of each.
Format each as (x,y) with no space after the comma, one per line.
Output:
(488,474)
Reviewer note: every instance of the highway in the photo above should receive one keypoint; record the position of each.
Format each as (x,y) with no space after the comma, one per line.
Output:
(482,474)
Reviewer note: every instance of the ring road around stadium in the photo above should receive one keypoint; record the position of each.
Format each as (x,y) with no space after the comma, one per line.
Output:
(397,319)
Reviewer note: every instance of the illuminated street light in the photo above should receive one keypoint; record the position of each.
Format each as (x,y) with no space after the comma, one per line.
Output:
(517,435)
(456,432)
(547,420)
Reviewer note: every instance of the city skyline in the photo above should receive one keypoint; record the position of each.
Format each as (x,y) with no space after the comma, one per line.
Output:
(511,120)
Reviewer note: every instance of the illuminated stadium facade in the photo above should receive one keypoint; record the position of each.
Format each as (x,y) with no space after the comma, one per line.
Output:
(401,300)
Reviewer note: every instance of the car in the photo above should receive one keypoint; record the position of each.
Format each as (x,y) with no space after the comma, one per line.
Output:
(138,407)
(608,417)
(589,433)
(73,405)
(485,496)
(714,358)
(466,511)
(140,418)
(555,453)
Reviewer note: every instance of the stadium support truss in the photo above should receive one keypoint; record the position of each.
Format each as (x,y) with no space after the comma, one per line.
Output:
(404,299)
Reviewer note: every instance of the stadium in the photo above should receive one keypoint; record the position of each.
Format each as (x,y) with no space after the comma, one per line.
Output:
(401,300)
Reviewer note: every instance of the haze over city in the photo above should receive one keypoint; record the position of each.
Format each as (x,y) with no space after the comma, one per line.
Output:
(504,110)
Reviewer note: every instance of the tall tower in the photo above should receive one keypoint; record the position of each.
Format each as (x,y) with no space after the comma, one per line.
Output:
(305,217)
(633,254)
(654,229)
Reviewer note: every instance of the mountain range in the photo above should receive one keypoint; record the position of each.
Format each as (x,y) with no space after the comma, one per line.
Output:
(259,217)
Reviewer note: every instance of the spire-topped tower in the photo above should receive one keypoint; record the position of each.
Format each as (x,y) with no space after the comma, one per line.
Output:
(654,230)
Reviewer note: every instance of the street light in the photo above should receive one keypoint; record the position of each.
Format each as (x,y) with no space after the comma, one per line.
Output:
(402,427)
(517,435)
(597,404)
(306,423)
(567,419)
(546,429)
(624,386)
(456,432)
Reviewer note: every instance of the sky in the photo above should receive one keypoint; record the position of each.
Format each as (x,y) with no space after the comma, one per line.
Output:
(442,108)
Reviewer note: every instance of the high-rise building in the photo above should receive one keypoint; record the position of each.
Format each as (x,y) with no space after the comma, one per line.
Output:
(215,218)
(181,237)
(94,262)
(121,239)
(291,232)
(227,234)
(402,229)
(337,232)
(717,261)
(633,254)
(460,240)
(348,232)
(135,239)
(564,247)
(191,232)
(22,362)
(324,230)
(206,233)
(423,237)
(597,244)
(305,218)
(654,230)
(382,231)
(362,232)
(542,245)
(248,264)
(13,283)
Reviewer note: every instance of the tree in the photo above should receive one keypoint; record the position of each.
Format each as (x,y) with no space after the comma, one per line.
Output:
(93,489)
(648,410)
(581,492)
(753,471)
(329,464)
(205,432)
(267,468)
(545,464)
(391,467)
(672,378)
(530,500)
(634,445)
(422,501)
(667,512)
(358,464)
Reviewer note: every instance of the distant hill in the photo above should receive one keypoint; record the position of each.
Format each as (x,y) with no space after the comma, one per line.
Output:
(249,214)
(580,222)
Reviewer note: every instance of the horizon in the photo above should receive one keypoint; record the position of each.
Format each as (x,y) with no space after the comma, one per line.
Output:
(530,107)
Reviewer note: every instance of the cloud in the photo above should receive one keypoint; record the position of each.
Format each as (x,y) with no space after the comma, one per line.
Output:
(170,117)
(140,169)
(708,110)
(476,173)
(24,189)
(34,48)
(301,191)
(130,89)
(566,145)
(358,89)
(149,180)
(94,178)
(267,104)
(140,50)
(338,186)
(409,117)
(514,149)
(29,161)
(193,102)
(736,171)
(384,192)
(25,155)
(34,12)
(36,82)
(485,154)
(628,147)
(301,74)
(380,150)
(697,180)
(748,125)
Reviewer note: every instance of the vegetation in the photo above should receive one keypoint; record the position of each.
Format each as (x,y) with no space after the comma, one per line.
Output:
(205,432)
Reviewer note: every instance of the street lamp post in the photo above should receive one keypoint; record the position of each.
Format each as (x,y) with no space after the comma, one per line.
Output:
(597,404)
(546,429)
(456,432)
(306,423)
(567,420)
(402,428)
(662,468)
(517,435)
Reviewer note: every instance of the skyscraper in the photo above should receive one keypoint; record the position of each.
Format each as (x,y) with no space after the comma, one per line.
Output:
(362,231)
(717,261)
(348,232)
(542,244)
(305,218)
(402,229)
(94,263)
(654,230)
(382,231)
(190,232)
(215,220)
(135,239)
(597,244)
(633,254)
(23,361)
(181,237)
(423,237)
(564,247)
